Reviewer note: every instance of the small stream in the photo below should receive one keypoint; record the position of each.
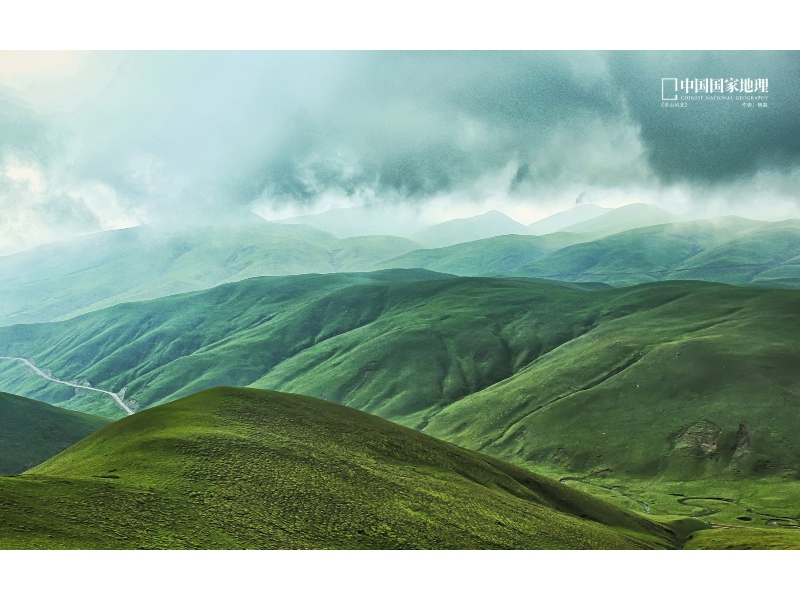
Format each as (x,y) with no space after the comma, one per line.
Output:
(693,501)
(772,520)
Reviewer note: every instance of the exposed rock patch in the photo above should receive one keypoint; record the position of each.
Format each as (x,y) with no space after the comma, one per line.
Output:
(701,438)
(742,446)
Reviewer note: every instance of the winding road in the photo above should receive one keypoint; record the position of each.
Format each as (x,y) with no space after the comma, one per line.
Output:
(41,373)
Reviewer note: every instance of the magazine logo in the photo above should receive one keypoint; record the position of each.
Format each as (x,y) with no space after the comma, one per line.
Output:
(678,92)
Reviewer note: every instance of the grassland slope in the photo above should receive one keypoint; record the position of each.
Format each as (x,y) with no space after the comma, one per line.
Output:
(242,468)
(682,380)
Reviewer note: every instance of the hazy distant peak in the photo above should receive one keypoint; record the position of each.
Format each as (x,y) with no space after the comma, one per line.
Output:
(566,218)
(457,231)
(492,215)
(630,216)
(361,221)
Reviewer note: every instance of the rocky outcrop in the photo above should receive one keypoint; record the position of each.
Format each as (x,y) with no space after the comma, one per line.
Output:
(700,438)
(742,446)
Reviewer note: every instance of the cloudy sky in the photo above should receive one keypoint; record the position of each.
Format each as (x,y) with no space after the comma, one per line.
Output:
(92,141)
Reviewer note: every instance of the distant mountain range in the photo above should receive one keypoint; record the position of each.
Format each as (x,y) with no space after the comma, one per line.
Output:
(89,272)
(362,221)
(349,222)
(65,279)
(728,250)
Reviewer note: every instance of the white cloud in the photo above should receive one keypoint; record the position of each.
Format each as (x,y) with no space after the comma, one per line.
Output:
(36,208)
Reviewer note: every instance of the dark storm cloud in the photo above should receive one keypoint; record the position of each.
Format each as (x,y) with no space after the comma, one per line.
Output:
(415,124)
(215,131)
(713,141)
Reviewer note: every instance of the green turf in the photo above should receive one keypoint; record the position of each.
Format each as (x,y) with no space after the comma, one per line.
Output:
(160,349)
(242,468)
(744,539)
(33,431)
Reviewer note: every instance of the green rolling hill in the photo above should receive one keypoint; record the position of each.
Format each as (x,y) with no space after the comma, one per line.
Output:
(242,468)
(33,431)
(688,382)
(64,279)
(672,381)
(160,349)
(728,250)
(501,253)
(490,256)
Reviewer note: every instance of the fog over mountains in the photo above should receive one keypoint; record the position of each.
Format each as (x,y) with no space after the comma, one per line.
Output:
(442,134)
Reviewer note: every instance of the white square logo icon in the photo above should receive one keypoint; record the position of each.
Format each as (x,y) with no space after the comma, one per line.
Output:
(669,86)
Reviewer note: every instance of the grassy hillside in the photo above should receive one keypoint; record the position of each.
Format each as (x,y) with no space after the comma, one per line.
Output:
(698,384)
(458,231)
(729,250)
(236,468)
(33,431)
(684,381)
(364,332)
(501,253)
(491,256)
(95,271)
(163,349)
(696,398)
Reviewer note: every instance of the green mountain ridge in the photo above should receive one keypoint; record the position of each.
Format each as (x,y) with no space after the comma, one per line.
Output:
(729,250)
(61,280)
(492,256)
(242,468)
(538,373)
